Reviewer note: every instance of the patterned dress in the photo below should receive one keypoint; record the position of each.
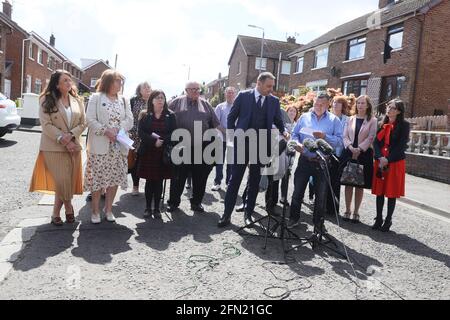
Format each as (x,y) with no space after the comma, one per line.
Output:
(107,170)
(137,105)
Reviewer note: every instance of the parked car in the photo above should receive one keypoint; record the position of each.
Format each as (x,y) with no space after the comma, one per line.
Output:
(9,119)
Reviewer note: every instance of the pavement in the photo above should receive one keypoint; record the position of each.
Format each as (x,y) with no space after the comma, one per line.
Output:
(185,256)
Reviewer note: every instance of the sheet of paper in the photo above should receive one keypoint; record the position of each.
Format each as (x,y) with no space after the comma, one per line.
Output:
(124,140)
(154,135)
(308,131)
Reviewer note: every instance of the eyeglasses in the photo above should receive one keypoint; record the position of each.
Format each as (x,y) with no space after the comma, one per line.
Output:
(159,98)
(193,89)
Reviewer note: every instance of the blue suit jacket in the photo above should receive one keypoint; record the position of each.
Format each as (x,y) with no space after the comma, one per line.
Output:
(240,116)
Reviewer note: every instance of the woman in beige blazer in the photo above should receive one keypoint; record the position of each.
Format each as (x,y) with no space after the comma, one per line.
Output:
(58,167)
(107,165)
(359,135)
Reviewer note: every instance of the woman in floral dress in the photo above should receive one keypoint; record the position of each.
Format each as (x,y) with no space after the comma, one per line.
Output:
(107,165)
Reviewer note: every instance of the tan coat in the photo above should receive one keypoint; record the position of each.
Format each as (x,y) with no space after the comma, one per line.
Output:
(56,124)
(366,135)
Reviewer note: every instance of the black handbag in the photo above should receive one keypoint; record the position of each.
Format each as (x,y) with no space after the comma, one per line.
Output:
(353,175)
(167,155)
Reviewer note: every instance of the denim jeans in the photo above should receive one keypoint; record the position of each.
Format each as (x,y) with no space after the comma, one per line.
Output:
(305,170)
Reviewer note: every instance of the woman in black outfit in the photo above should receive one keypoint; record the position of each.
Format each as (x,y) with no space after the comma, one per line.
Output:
(390,146)
(156,126)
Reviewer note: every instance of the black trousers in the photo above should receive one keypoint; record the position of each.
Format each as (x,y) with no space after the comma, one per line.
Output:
(305,170)
(153,192)
(335,176)
(134,174)
(199,173)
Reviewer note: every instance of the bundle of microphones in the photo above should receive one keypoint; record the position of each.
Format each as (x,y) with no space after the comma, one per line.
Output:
(320,147)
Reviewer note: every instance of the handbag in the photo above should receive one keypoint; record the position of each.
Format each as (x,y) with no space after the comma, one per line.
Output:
(132,157)
(353,174)
(167,155)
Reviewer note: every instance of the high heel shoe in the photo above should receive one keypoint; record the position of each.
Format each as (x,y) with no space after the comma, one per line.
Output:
(378,224)
(56,221)
(386,226)
(70,217)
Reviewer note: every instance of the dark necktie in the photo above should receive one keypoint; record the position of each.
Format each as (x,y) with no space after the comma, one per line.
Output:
(259,103)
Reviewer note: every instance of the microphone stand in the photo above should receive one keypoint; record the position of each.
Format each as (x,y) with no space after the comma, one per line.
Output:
(320,237)
(283,232)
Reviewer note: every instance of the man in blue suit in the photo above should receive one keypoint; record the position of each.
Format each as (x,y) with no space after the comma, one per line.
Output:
(256,110)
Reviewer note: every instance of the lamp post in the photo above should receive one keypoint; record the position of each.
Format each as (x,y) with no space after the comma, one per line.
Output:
(262,45)
(189,71)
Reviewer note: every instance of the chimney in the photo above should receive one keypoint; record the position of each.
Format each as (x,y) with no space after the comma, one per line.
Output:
(7,9)
(220,76)
(107,62)
(384,3)
(291,40)
(52,40)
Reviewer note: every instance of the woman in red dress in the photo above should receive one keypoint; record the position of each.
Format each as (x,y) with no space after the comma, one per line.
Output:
(156,126)
(389,170)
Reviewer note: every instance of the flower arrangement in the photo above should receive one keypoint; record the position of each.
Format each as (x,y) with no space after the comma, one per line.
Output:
(305,100)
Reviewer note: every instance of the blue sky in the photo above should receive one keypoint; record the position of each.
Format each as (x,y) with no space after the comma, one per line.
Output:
(157,40)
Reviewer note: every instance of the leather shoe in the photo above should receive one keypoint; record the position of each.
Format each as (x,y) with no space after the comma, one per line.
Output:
(248,219)
(241,208)
(224,222)
(197,208)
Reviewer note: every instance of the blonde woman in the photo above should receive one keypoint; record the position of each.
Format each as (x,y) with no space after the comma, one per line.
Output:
(58,168)
(107,166)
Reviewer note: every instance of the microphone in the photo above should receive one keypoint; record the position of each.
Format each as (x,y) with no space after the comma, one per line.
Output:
(291,147)
(326,148)
(311,145)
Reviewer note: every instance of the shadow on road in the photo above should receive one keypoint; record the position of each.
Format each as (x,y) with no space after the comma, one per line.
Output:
(6,143)
(401,241)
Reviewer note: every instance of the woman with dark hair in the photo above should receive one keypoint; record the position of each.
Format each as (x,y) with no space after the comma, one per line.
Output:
(138,104)
(390,167)
(58,168)
(107,114)
(358,139)
(156,125)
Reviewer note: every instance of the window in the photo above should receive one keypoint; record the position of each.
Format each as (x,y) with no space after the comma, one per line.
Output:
(296,92)
(356,48)
(258,64)
(321,58)
(38,86)
(395,36)
(51,63)
(93,82)
(30,51)
(286,67)
(40,56)
(239,67)
(299,67)
(318,86)
(357,86)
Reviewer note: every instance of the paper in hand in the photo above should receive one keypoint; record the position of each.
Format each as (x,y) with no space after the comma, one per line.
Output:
(124,140)
(308,131)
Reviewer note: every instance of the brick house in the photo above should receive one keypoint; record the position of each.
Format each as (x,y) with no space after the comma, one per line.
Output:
(351,56)
(5,28)
(245,61)
(92,71)
(31,60)
(217,86)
